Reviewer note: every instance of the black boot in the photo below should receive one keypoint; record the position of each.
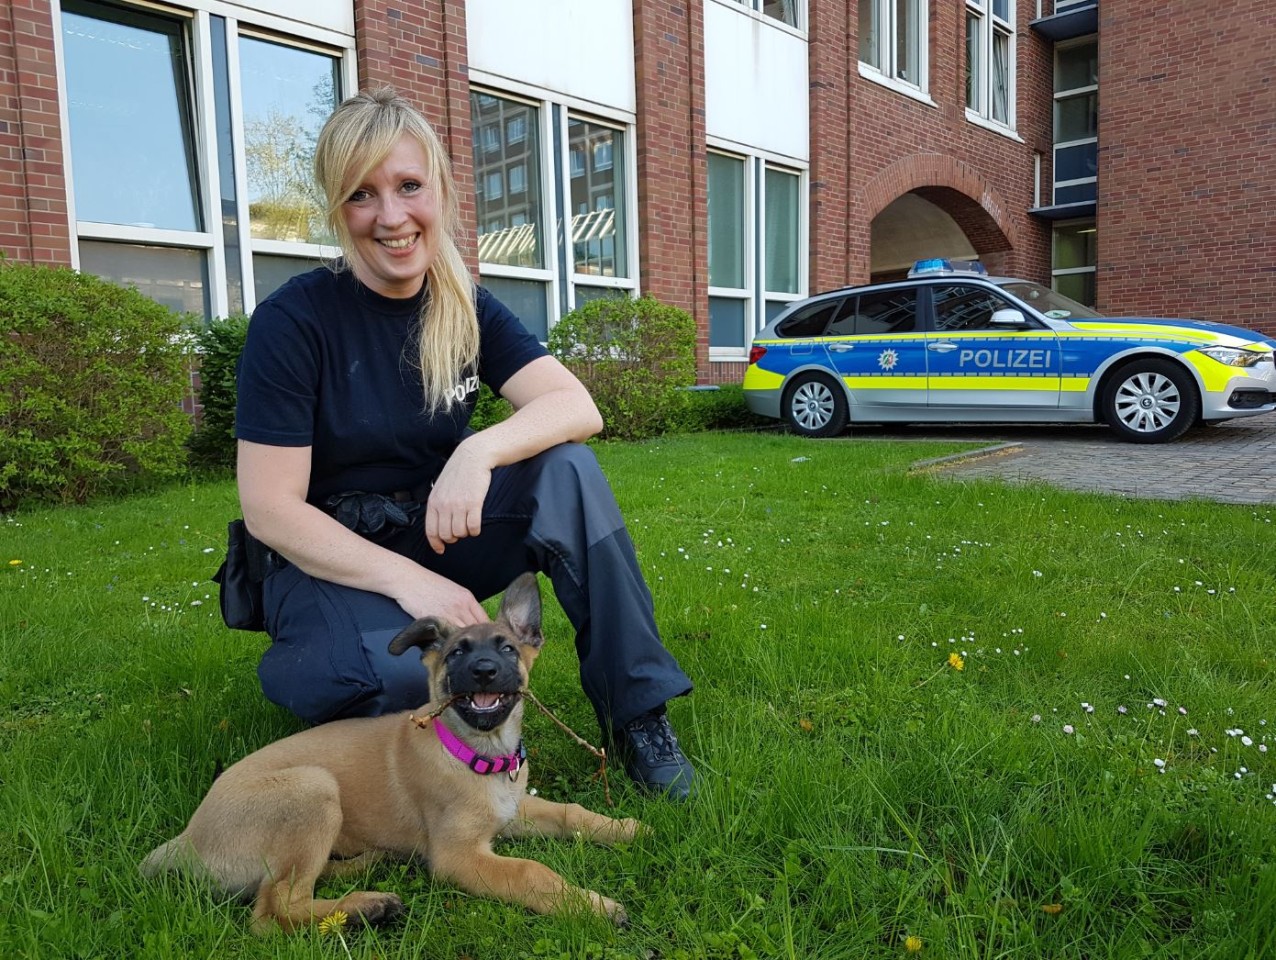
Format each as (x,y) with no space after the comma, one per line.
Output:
(649,750)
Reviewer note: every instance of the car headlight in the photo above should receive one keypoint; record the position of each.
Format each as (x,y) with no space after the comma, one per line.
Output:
(1233,357)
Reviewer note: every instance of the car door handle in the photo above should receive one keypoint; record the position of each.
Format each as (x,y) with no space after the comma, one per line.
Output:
(841,347)
(942,346)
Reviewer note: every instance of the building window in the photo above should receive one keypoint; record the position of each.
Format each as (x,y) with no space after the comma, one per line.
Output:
(1074,259)
(990,61)
(542,273)
(1076,122)
(893,39)
(287,94)
(755,248)
(159,200)
(597,227)
(786,11)
(129,95)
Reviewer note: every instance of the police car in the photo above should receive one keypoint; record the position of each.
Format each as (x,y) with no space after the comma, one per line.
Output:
(952,344)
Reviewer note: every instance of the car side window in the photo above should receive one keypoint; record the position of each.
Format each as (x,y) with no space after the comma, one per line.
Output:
(886,311)
(811,320)
(966,307)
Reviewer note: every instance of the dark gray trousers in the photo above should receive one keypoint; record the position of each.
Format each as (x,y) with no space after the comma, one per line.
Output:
(554,514)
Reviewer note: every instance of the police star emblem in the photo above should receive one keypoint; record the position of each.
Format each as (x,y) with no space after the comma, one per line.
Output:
(887,359)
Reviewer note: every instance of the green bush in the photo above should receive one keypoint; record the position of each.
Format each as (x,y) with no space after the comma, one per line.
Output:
(489,409)
(635,357)
(219,344)
(92,378)
(722,408)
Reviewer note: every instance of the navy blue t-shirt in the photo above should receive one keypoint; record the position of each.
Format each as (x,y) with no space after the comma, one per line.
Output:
(330,364)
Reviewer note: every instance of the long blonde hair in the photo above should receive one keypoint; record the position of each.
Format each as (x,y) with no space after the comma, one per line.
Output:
(357,137)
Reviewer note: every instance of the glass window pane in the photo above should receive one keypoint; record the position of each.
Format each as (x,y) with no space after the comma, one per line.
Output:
(1076,117)
(132,149)
(526,298)
(1076,163)
(1074,246)
(782,218)
(509,230)
(586,294)
(287,94)
(974,61)
(1077,193)
(783,10)
(1079,286)
(597,199)
(869,28)
(270,271)
(907,42)
(173,276)
(1001,77)
(962,307)
(726,221)
(1078,67)
(726,322)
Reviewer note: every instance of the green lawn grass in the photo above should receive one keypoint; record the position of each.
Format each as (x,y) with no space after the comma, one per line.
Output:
(1094,782)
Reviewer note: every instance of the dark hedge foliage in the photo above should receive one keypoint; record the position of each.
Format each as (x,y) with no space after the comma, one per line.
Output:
(219,344)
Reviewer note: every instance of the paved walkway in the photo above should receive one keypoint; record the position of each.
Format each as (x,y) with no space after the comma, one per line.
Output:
(1233,462)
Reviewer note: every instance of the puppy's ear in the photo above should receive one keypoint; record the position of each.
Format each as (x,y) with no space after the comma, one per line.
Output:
(426,633)
(521,609)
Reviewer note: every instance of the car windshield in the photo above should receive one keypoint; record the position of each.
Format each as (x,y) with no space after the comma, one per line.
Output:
(1049,302)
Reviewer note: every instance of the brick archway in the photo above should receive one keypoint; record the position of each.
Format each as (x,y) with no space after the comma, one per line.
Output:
(957,190)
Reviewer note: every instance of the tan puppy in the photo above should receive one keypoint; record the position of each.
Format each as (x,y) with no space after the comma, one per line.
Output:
(330,800)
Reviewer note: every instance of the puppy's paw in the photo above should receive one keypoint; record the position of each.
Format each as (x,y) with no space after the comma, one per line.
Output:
(630,829)
(376,909)
(614,912)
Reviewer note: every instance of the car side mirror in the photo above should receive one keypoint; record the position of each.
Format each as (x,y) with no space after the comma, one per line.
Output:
(1008,318)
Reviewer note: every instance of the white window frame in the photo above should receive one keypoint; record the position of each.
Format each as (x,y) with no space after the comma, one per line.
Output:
(558,274)
(210,240)
(754,294)
(887,70)
(989,27)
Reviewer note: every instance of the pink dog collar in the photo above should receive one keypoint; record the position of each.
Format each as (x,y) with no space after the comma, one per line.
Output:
(476,761)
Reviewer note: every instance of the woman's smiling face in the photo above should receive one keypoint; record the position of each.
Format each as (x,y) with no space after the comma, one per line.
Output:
(393,221)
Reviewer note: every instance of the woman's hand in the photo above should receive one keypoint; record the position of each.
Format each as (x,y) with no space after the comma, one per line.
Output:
(434,596)
(455,507)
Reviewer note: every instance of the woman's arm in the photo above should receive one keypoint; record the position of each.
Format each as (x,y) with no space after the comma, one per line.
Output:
(551,406)
(272,494)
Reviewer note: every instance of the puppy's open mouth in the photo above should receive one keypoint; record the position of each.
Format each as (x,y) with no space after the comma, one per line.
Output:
(486,702)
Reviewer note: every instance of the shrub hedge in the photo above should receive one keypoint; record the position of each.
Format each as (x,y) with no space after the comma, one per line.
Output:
(636,357)
(220,343)
(92,378)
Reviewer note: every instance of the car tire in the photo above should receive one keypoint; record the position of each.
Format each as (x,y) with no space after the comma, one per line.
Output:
(815,406)
(1151,401)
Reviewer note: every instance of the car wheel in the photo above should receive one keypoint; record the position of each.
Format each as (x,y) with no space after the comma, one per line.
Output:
(815,406)
(1151,401)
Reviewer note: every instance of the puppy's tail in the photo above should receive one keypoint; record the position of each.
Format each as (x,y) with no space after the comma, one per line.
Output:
(164,858)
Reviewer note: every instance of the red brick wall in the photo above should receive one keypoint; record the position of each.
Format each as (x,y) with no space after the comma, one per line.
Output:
(893,145)
(33,208)
(420,49)
(673,245)
(1187,137)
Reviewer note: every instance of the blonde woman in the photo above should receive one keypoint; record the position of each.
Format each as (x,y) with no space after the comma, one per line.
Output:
(377,504)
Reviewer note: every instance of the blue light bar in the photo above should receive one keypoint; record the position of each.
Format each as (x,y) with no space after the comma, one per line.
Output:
(941,267)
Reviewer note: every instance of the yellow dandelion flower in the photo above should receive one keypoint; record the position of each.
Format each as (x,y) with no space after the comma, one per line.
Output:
(333,922)
(1052,908)
(15,563)
(913,944)
(956,662)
